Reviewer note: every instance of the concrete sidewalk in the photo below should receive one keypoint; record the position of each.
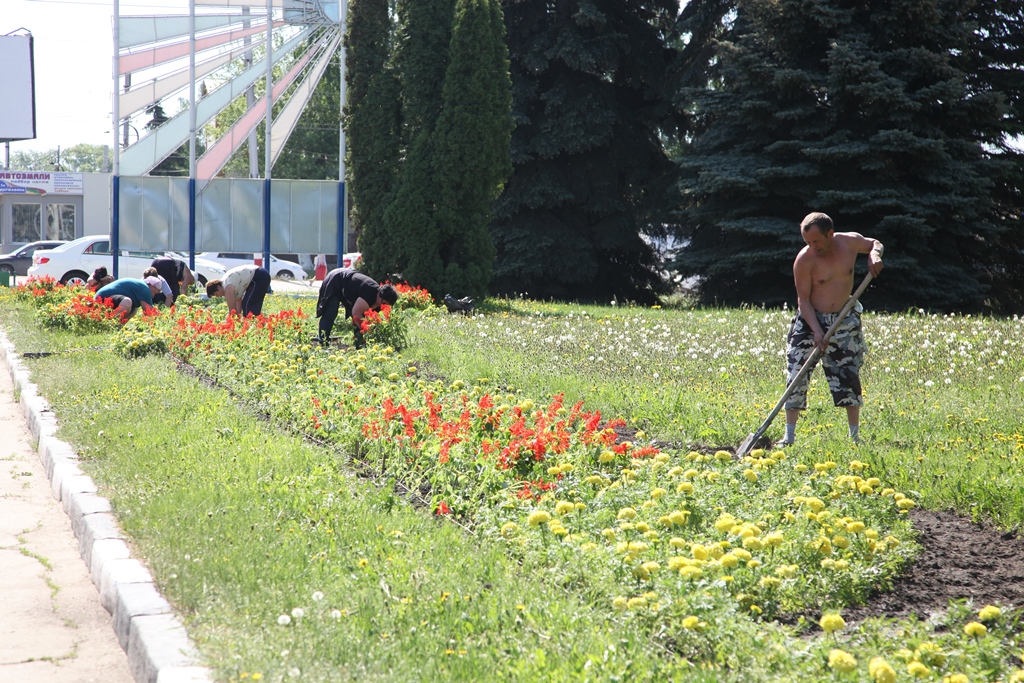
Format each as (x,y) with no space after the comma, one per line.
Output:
(53,627)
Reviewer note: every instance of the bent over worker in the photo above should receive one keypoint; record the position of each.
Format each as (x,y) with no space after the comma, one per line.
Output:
(823,272)
(243,287)
(358,292)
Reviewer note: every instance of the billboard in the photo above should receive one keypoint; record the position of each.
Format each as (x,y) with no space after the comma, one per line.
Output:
(17,83)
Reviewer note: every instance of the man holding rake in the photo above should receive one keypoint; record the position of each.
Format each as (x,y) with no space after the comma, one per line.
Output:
(823,273)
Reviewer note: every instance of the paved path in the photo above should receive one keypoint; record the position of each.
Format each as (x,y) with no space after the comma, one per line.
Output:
(52,627)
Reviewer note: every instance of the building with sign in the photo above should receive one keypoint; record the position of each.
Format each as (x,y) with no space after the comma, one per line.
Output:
(52,205)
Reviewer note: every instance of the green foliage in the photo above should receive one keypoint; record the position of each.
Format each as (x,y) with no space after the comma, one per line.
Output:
(81,158)
(590,172)
(139,338)
(372,117)
(864,112)
(473,136)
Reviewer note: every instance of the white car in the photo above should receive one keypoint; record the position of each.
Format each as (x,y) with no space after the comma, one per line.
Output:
(280,268)
(73,262)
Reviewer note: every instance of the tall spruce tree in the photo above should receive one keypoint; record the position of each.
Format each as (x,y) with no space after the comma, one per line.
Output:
(590,174)
(421,57)
(861,109)
(372,118)
(472,134)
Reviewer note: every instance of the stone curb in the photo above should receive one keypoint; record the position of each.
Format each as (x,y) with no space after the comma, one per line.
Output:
(152,636)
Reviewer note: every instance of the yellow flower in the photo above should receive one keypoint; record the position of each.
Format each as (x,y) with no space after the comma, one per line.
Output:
(658,493)
(678,517)
(677,542)
(989,613)
(723,455)
(538,517)
(364,562)
(841,661)
(831,622)
(956,678)
(975,630)
(619,603)
(698,551)
(774,539)
(684,487)
(881,671)
(690,572)
(564,507)
(508,529)
(750,475)
(918,670)
(906,504)
(636,603)
(769,582)
(626,513)
(606,457)
(730,561)
(691,622)
(855,527)
(788,571)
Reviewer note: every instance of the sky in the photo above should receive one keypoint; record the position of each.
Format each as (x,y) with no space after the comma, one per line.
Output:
(73,46)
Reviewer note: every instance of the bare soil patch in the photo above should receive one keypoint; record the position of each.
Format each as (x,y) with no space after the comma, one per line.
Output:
(960,560)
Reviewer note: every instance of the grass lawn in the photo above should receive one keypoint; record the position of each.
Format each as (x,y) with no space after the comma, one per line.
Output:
(452,510)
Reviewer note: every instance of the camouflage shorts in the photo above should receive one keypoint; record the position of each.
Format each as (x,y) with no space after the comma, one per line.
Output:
(841,361)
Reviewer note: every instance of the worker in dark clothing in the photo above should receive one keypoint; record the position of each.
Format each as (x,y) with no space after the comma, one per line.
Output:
(177,275)
(357,292)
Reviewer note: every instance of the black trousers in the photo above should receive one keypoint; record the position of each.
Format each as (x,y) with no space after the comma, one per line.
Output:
(252,300)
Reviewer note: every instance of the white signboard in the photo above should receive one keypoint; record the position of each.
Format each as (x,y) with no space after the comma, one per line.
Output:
(17,89)
(41,182)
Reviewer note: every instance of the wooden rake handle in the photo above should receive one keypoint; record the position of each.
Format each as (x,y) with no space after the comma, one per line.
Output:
(809,363)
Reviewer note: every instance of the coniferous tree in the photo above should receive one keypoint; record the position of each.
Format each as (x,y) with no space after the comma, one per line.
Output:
(421,57)
(472,134)
(372,116)
(590,174)
(858,109)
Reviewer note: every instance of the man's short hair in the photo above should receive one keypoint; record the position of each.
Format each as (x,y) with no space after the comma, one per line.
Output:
(388,294)
(212,286)
(819,219)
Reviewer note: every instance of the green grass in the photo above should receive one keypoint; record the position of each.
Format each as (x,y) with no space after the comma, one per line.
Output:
(242,522)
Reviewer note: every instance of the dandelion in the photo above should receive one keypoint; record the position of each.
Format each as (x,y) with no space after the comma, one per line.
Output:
(989,613)
(284,620)
(298,613)
(335,614)
(363,562)
(831,622)
(975,629)
(841,661)
(318,596)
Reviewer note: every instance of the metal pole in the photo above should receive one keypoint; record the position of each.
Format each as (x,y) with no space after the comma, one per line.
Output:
(115,208)
(266,136)
(250,102)
(342,229)
(191,135)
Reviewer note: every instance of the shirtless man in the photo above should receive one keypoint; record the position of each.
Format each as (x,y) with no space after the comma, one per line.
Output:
(823,272)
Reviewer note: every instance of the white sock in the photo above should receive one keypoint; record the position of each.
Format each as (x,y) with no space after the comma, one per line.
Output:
(790,432)
(855,433)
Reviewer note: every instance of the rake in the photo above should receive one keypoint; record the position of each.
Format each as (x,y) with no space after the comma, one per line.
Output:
(808,365)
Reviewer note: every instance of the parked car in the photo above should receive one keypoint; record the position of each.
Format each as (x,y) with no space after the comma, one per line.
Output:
(279,268)
(73,262)
(18,261)
(350,259)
